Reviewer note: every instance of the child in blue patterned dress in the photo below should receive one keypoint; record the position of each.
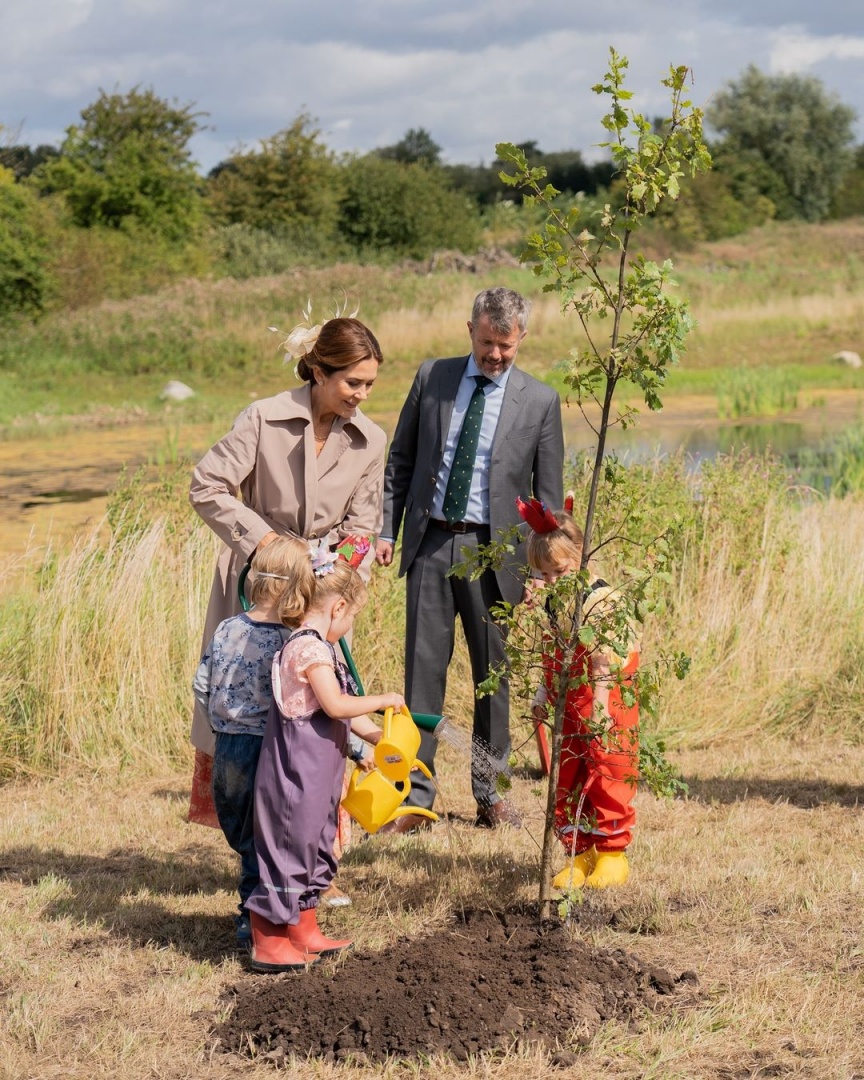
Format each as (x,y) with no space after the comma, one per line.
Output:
(233,683)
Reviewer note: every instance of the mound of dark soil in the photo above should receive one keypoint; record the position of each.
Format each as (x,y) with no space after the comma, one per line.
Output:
(480,984)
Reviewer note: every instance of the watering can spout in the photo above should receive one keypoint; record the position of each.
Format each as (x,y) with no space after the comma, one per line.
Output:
(379,796)
(427,721)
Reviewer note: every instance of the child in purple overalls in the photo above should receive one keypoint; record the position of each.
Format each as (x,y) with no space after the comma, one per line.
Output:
(299,780)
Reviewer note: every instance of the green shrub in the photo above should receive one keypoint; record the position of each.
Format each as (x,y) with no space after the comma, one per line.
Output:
(404,209)
(24,280)
(291,181)
(242,251)
(128,165)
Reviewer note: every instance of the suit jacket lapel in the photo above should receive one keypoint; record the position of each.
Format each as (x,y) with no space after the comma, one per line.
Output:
(310,479)
(334,448)
(510,406)
(447,399)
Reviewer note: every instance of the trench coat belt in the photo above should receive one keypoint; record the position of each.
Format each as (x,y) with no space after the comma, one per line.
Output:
(457,526)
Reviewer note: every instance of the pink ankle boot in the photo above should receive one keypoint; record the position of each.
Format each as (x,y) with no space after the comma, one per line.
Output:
(308,940)
(272,951)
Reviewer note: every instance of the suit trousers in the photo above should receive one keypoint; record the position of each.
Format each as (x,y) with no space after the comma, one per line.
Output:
(433,602)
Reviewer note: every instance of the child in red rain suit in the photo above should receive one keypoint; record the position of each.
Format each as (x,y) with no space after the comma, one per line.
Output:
(594,814)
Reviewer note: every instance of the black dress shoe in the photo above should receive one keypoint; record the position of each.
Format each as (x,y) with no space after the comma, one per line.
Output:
(491,815)
(408,823)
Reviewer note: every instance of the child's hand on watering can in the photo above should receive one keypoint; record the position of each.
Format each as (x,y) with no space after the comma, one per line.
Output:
(366,763)
(392,701)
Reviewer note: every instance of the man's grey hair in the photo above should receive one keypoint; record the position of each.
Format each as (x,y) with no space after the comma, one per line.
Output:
(504,307)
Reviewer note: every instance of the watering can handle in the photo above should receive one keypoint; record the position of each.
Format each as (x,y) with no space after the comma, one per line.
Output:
(388,713)
(241,587)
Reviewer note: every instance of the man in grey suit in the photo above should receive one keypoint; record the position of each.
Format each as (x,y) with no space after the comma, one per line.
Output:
(474,433)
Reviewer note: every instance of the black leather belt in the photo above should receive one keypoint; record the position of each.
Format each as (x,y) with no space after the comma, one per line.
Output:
(457,526)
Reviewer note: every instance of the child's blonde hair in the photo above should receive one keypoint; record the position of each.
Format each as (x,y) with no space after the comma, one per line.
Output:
(547,549)
(341,582)
(281,574)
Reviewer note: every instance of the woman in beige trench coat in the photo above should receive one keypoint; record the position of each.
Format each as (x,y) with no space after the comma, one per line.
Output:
(307,462)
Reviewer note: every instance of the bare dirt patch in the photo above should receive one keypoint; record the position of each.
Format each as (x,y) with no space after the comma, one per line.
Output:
(489,981)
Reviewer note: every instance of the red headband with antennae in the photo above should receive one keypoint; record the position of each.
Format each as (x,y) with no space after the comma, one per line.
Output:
(537,515)
(568,502)
(353,549)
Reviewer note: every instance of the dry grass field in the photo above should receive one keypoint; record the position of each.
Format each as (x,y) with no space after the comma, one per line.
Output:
(116,950)
(117,941)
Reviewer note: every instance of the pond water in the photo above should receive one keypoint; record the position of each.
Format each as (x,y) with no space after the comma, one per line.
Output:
(55,485)
(692,425)
(52,486)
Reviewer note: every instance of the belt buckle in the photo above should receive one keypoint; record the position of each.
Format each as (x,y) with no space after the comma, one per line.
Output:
(459,527)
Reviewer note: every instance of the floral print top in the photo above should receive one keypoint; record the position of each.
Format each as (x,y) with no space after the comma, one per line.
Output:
(233,679)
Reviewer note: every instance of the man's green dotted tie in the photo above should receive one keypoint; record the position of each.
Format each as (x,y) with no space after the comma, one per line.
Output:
(459,483)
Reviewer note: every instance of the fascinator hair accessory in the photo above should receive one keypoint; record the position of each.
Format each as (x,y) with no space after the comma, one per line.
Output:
(300,341)
(537,515)
(352,550)
(323,559)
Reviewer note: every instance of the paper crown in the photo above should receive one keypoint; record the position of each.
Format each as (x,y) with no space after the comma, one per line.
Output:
(538,515)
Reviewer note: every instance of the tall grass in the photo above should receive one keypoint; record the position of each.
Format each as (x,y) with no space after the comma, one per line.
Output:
(777,645)
(836,467)
(767,597)
(756,391)
(100,642)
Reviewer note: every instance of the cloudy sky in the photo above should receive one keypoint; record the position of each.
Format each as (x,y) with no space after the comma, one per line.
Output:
(472,72)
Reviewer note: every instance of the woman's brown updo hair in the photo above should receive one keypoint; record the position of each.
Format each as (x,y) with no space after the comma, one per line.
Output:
(341,344)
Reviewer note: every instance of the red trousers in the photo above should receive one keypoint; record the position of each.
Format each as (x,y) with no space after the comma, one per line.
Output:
(602,769)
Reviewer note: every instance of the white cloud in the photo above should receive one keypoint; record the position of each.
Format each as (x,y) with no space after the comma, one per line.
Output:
(472,72)
(795,50)
(38,26)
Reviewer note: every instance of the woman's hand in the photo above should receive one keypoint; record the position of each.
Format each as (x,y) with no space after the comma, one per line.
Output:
(266,539)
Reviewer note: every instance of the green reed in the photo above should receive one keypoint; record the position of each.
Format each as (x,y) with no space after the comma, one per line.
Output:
(756,391)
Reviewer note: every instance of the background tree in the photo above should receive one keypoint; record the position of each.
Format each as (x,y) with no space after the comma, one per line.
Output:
(128,165)
(849,197)
(406,210)
(565,169)
(715,205)
(416,147)
(791,134)
(293,180)
(23,277)
(633,329)
(22,160)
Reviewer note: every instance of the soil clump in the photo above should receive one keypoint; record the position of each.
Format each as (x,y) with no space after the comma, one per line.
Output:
(487,982)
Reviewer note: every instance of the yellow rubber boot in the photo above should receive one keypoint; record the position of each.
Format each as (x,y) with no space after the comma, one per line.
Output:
(611,869)
(575,871)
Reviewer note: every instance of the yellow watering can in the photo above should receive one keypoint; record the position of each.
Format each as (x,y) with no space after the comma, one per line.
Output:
(373,801)
(373,798)
(396,752)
